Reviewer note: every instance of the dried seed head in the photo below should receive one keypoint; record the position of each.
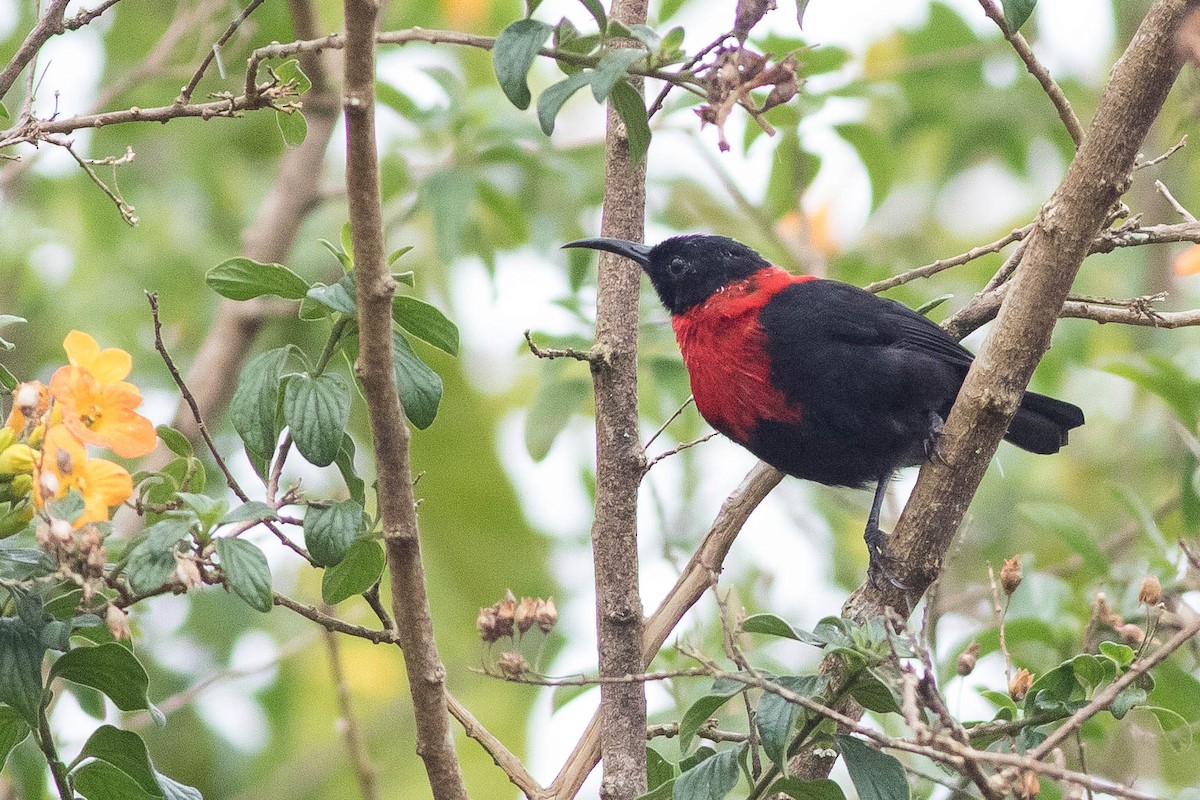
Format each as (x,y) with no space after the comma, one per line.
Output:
(526,613)
(1018,687)
(187,572)
(547,616)
(118,622)
(506,614)
(1028,785)
(966,660)
(1105,614)
(1131,634)
(512,664)
(1010,575)
(486,623)
(1151,592)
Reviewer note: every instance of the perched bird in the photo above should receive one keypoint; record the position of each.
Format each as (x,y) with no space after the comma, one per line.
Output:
(818,378)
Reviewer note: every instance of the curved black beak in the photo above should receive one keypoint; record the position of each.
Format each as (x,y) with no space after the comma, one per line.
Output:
(637,253)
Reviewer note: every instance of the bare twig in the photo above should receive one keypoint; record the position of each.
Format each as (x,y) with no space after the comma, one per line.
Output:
(49,24)
(1175,204)
(360,757)
(669,420)
(389,429)
(333,623)
(127,212)
(590,355)
(1182,143)
(1061,104)
(946,263)
(186,94)
(679,449)
(501,755)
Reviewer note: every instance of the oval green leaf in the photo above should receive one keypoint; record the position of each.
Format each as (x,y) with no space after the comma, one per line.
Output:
(20,668)
(245,279)
(254,407)
(425,322)
(317,410)
(712,778)
(358,570)
(110,668)
(629,104)
(513,54)
(330,530)
(420,387)
(876,775)
(553,98)
(246,572)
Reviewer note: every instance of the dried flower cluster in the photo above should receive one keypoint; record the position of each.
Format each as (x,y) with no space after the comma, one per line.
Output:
(1129,632)
(510,617)
(734,74)
(1010,575)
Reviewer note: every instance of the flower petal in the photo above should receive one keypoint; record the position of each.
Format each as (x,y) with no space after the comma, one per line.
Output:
(108,365)
(104,485)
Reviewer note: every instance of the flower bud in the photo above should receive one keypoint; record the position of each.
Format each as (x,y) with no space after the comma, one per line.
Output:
(512,664)
(7,437)
(187,572)
(1131,634)
(28,397)
(506,613)
(1010,575)
(118,622)
(547,615)
(17,459)
(966,661)
(1151,592)
(1028,785)
(1018,687)
(15,520)
(486,622)
(21,486)
(526,613)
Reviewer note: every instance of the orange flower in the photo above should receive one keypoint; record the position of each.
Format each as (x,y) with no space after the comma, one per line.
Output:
(107,366)
(65,465)
(103,413)
(1188,262)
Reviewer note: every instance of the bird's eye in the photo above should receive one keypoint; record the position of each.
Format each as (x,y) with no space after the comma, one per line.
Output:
(677,267)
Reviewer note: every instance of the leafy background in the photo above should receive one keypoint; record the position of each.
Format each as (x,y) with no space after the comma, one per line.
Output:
(917,137)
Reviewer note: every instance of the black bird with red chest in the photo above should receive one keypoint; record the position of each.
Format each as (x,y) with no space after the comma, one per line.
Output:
(818,378)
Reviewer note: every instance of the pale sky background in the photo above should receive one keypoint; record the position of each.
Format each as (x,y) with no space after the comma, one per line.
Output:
(1074,38)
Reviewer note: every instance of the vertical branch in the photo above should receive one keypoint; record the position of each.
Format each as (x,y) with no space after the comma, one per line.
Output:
(356,746)
(389,430)
(619,464)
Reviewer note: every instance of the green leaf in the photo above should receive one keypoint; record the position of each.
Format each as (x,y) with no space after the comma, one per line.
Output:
(152,559)
(175,441)
(513,54)
(345,464)
(7,379)
(4,112)
(556,402)
(393,257)
(876,776)
(174,790)
(209,510)
(290,72)
(247,573)
(1016,12)
(699,712)
(126,751)
(823,789)
(347,239)
(420,387)
(342,256)
(337,297)
(244,279)
(772,625)
(1123,654)
(629,104)
(874,695)
(664,791)
(597,11)
(776,716)
(1002,701)
(929,305)
(355,573)
(330,530)
(1173,724)
(613,66)
(5,321)
(712,778)
(317,411)
(100,780)
(1089,670)
(20,669)
(1129,697)
(553,98)
(293,127)
(658,769)
(112,669)
(425,322)
(13,731)
(255,509)
(254,407)
(1053,689)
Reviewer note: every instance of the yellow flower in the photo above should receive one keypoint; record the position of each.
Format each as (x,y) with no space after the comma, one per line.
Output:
(65,465)
(107,366)
(103,413)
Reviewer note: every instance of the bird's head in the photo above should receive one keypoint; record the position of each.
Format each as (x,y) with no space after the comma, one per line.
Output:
(685,270)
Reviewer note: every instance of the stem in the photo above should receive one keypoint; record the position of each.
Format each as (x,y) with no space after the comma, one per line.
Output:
(58,770)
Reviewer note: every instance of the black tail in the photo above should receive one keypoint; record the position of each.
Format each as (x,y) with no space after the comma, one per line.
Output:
(1041,423)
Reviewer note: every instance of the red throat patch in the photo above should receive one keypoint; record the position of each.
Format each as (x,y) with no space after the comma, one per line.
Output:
(723,346)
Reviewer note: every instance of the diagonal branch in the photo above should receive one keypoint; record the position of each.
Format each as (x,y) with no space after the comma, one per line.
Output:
(50,24)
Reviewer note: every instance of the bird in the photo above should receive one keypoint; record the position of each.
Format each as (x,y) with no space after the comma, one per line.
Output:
(818,378)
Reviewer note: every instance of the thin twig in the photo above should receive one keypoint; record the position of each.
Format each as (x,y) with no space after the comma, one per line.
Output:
(509,763)
(946,263)
(360,757)
(126,211)
(679,449)
(1175,204)
(333,623)
(49,24)
(691,399)
(186,94)
(1159,159)
(590,355)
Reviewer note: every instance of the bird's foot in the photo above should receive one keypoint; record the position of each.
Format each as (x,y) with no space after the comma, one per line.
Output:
(881,563)
(932,451)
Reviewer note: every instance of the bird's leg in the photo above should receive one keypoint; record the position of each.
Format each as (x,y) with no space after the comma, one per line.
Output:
(880,561)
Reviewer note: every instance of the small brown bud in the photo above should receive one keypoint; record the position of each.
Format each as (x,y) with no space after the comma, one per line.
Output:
(1151,592)
(506,614)
(486,623)
(1028,785)
(187,572)
(1010,575)
(1018,687)
(1131,634)
(1105,614)
(526,614)
(966,660)
(512,664)
(118,622)
(547,616)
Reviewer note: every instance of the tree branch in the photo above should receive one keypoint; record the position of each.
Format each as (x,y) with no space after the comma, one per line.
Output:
(389,429)
(50,24)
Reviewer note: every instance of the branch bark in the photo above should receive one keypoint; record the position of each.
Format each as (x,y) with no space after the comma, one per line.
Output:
(50,24)
(1063,236)
(619,463)
(389,430)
